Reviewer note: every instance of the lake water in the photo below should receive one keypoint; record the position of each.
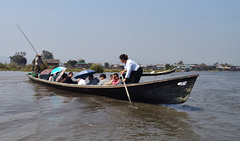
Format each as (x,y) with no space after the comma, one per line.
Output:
(35,112)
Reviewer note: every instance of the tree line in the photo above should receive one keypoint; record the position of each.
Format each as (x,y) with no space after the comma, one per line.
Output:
(19,58)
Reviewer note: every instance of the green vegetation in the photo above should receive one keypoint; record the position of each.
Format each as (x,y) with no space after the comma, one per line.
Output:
(81,60)
(180,62)
(167,66)
(97,68)
(46,55)
(74,70)
(112,70)
(27,68)
(18,62)
(71,63)
(2,65)
(9,67)
(18,59)
(12,67)
(106,65)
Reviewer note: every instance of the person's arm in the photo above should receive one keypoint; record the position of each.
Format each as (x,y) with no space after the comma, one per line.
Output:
(120,82)
(122,72)
(62,81)
(73,82)
(50,78)
(128,72)
(108,83)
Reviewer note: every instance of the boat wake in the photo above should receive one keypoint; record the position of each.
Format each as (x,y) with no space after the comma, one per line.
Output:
(183,107)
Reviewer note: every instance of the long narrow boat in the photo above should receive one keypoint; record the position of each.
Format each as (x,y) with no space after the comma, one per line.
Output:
(168,91)
(159,73)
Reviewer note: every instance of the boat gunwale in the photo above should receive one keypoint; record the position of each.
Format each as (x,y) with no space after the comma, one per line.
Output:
(110,86)
(160,73)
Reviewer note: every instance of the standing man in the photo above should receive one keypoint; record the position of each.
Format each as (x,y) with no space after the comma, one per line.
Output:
(132,69)
(38,63)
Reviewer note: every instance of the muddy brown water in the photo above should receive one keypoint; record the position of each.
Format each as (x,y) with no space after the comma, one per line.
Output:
(30,111)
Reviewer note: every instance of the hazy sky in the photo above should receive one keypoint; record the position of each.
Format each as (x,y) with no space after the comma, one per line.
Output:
(149,31)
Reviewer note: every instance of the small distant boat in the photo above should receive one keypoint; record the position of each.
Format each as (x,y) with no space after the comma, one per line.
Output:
(159,73)
(167,91)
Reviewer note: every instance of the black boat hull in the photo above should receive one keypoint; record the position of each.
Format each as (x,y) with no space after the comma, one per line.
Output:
(169,91)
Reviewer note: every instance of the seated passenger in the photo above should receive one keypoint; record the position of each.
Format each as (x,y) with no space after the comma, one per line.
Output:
(69,79)
(116,80)
(64,76)
(82,81)
(93,80)
(103,79)
(109,82)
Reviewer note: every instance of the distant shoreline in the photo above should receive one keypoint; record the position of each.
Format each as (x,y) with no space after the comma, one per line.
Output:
(28,68)
(111,70)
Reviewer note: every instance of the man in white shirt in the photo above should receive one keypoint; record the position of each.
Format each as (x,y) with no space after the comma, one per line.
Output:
(132,69)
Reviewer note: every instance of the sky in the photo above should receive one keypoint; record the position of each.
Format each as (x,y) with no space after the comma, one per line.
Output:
(149,31)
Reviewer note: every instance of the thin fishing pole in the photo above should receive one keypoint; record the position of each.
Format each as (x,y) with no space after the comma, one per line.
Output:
(30,43)
(27,38)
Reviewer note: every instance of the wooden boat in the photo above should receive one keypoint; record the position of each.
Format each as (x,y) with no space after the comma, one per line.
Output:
(168,91)
(159,73)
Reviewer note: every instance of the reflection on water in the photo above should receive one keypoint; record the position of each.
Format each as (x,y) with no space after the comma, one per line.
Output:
(113,119)
(184,107)
(31,111)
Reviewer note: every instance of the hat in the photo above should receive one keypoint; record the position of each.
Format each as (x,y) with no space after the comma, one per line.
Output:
(39,55)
